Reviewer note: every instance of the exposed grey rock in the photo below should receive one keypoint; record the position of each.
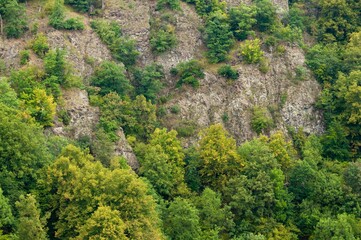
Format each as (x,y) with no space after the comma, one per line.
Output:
(122,148)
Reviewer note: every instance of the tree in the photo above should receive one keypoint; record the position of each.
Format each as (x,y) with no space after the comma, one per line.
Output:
(41,107)
(266,15)
(162,162)
(110,77)
(181,221)
(250,50)
(242,19)
(77,176)
(6,217)
(148,82)
(15,18)
(104,223)
(29,222)
(40,45)
(219,160)
(352,176)
(23,152)
(212,214)
(172,4)
(344,227)
(219,37)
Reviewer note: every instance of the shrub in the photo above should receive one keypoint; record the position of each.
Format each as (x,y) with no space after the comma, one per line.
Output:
(175,109)
(122,48)
(242,19)
(24,57)
(228,72)
(57,19)
(251,51)
(163,39)
(219,37)
(263,65)
(171,4)
(110,77)
(40,45)
(260,121)
(266,15)
(189,73)
(15,19)
(148,82)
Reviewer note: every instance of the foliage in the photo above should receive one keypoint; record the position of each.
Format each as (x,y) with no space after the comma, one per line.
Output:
(344,227)
(40,106)
(162,163)
(23,142)
(181,221)
(77,176)
(218,36)
(29,225)
(24,57)
(189,73)
(219,160)
(206,7)
(162,35)
(15,18)
(122,48)
(84,5)
(148,82)
(40,45)
(266,15)
(228,72)
(242,19)
(6,217)
(171,4)
(260,121)
(104,223)
(250,51)
(110,77)
(58,21)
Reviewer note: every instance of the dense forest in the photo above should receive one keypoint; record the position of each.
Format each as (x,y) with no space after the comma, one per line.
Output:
(191,182)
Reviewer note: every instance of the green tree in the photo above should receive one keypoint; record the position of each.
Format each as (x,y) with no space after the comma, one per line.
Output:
(242,19)
(260,121)
(181,221)
(15,18)
(206,7)
(352,176)
(148,82)
(29,222)
(213,215)
(110,77)
(40,45)
(171,4)
(219,37)
(345,227)
(189,73)
(6,217)
(162,162)
(219,160)
(266,15)
(23,152)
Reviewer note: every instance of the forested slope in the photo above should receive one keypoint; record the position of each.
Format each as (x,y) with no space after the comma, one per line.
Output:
(169,119)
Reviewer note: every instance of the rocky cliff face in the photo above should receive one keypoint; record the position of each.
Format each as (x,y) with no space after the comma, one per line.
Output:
(289,101)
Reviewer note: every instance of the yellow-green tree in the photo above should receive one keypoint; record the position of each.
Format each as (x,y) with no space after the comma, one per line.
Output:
(219,160)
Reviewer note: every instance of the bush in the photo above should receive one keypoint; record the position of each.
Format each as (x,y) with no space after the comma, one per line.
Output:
(15,19)
(260,121)
(266,15)
(110,77)
(219,37)
(189,73)
(251,51)
(242,19)
(228,72)
(163,39)
(263,65)
(40,45)
(175,109)
(24,57)
(148,82)
(122,48)
(57,19)
(171,4)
